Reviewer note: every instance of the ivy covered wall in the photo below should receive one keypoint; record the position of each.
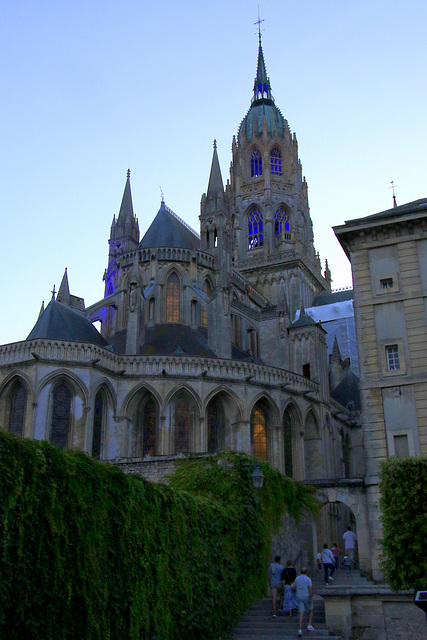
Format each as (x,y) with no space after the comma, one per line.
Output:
(90,553)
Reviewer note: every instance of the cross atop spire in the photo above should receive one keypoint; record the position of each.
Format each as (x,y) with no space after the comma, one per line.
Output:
(394,196)
(262,87)
(128,173)
(258,22)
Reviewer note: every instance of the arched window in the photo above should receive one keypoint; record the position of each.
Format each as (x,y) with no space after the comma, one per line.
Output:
(98,417)
(259,432)
(149,422)
(276,162)
(208,290)
(182,424)
(172,299)
(215,425)
(256,163)
(255,230)
(17,409)
(61,416)
(281,221)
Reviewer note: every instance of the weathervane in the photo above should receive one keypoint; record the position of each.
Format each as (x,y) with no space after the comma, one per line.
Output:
(162,195)
(258,22)
(394,197)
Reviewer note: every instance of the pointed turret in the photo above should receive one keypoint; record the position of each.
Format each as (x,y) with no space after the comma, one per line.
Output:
(215,186)
(64,290)
(124,234)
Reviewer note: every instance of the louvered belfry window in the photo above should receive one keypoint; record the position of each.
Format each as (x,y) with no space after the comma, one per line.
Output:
(172,298)
(61,413)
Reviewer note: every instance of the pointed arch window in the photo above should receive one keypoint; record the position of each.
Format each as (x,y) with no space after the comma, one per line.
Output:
(207,289)
(259,432)
(182,425)
(172,298)
(281,221)
(256,163)
(61,416)
(98,419)
(255,229)
(17,409)
(149,422)
(215,425)
(276,162)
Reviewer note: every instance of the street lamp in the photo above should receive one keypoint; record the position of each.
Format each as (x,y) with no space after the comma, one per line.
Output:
(257,478)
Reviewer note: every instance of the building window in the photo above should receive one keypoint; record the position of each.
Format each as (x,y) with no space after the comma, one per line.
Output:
(207,289)
(61,416)
(149,420)
(172,298)
(256,163)
(255,230)
(393,362)
(182,425)
(97,426)
(281,223)
(17,409)
(401,448)
(215,425)
(306,370)
(276,162)
(386,283)
(259,433)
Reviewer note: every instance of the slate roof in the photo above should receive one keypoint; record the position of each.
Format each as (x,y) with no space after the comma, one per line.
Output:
(59,322)
(348,390)
(328,297)
(167,231)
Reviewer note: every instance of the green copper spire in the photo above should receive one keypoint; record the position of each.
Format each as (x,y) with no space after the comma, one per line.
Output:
(262,88)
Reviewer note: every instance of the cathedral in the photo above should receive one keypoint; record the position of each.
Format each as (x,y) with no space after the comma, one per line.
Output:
(229,338)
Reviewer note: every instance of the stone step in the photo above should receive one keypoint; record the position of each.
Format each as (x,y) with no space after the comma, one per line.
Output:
(286,634)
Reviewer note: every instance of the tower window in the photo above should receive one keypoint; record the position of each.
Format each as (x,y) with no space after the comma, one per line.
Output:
(281,222)
(255,230)
(256,163)
(259,433)
(393,362)
(276,162)
(386,283)
(172,298)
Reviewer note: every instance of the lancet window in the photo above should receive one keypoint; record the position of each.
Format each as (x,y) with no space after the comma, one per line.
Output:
(276,162)
(259,432)
(281,221)
(182,425)
(256,163)
(255,229)
(17,409)
(207,289)
(215,425)
(61,416)
(149,421)
(172,298)
(97,425)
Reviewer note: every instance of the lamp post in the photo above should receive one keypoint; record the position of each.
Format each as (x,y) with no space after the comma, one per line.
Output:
(257,478)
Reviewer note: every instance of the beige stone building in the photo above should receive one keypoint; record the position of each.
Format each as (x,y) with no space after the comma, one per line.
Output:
(205,343)
(388,254)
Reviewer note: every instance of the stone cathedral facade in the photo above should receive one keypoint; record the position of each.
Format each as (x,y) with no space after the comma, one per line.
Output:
(206,341)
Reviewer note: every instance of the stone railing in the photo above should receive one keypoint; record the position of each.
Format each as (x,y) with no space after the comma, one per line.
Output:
(180,366)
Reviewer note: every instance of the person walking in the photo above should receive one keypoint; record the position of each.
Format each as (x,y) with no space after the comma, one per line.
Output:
(303,588)
(328,561)
(275,571)
(347,564)
(350,544)
(336,553)
(289,599)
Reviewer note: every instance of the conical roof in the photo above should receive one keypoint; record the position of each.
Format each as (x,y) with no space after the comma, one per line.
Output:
(126,214)
(59,322)
(215,185)
(167,230)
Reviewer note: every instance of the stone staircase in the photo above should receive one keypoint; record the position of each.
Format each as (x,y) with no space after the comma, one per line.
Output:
(258,623)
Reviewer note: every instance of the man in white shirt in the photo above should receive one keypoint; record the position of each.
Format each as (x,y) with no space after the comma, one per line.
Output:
(350,543)
(304,594)
(328,562)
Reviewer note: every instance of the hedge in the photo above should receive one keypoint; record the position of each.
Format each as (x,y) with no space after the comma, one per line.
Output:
(90,553)
(403,502)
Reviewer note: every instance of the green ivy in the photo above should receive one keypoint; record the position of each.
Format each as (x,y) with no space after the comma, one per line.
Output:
(90,553)
(404,517)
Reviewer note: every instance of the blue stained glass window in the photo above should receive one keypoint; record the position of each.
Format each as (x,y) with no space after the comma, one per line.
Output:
(276,162)
(255,230)
(256,163)
(281,220)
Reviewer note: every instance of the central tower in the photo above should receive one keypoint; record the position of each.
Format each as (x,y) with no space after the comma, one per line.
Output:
(272,229)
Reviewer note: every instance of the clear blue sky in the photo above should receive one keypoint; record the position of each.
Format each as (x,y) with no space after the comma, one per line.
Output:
(92,88)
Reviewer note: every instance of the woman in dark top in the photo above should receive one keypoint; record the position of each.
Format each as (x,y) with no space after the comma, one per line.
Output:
(288,576)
